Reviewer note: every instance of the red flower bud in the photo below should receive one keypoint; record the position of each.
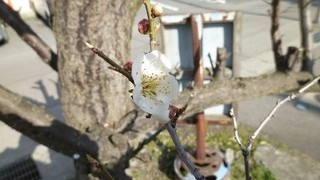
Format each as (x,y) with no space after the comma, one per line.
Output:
(128,66)
(156,11)
(143,26)
(172,111)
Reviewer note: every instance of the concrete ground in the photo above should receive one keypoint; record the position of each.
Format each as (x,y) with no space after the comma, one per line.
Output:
(23,72)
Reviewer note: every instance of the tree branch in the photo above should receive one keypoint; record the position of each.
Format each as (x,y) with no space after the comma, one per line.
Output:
(280,103)
(36,123)
(28,35)
(246,150)
(231,90)
(110,61)
(182,153)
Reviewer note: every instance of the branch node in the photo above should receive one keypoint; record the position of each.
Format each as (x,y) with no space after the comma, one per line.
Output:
(148,116)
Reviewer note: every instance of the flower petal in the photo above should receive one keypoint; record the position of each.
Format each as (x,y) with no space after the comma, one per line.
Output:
(152,65)
(167,89)
(155,54)
(154,86)
(160,111)
(162,116)
(136,68)
(152,106)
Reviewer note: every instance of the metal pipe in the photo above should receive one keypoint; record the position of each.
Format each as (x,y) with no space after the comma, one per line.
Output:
(196,29)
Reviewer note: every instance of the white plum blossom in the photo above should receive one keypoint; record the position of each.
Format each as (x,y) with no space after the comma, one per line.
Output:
(154,86)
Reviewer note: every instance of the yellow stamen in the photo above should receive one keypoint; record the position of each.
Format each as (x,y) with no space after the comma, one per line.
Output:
(149,85)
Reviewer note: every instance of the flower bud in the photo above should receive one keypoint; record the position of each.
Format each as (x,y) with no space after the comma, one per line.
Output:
(143,26)
(172,111)
(156,11)
(128,66)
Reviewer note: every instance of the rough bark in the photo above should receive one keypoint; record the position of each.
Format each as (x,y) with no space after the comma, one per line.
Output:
(304,7)
(88,87)
(36,123)
(231,90)
(294,59)
(220,68)
(43,128)
(276,36)
(115,148)
(28,35)
(92,95)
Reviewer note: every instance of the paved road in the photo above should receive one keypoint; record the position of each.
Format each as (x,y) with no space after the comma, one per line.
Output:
(21,71)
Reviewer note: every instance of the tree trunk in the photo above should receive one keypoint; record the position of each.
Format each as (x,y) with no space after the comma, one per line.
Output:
(276,37)
(304,7)
(93,95)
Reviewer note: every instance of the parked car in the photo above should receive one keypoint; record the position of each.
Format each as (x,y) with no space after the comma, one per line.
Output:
(4,38)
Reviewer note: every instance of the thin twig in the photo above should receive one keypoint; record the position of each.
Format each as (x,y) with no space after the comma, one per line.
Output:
(152,29)
(180,111)
(246,151)
(235,129)
(100,167)
(182,153)
(170,126)
(110,61)
(277,106)
(246,154)
(105,172)
(307,86)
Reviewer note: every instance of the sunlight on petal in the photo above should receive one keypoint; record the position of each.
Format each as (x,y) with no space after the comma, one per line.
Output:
(136,68)
(154,86)
(168,89)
